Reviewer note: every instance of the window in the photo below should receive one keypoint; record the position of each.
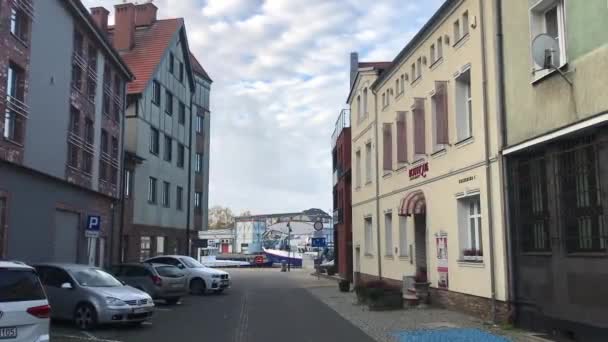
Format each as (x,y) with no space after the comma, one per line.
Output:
(106,103)
(199,163)
(369,236)
(166,194)
(464,106)
(103,170)
(73,152)
(387,148)
(128,179)
(359,109)
(171,63)
(181,72)
(402,83)
(152,190)
(179,198)
(181,119)
(547,16)
(419,67)
(419,127)
(76,76)
(358,169)
(114,175)
(199,124)
(383,100)
(92,58)
(168,155)
(160,247)
(465,24)
(439,104)
(433,53)
(3,226)
(198,200)
(91,88)
(104,141)
(114,147)
(368,162)
(401,138)
(181,151)
(470,226)
(397,87)
(439,48)
(413,72)
(87,162)
(78,43)
(365,103)
(19,24)
(457,35)
(168,102)
(13,121)
(144,247)
(403,252)
(74,120)
(388,234)
(156,92)
(154,140)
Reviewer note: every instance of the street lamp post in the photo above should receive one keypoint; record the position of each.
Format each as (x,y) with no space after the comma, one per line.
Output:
(289,246)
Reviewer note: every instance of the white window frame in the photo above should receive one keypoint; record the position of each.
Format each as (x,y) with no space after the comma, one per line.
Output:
(470,233)
(160,245)
(457,33)
(388,234)
(538,25)
(403,248)
(365,103)
(464,106)
(368,235)
(464,29)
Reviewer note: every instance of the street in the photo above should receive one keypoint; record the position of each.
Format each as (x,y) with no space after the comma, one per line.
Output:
(263,305)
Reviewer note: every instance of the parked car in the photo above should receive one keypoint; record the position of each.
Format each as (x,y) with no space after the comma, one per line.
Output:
(90,296)
(200,278)
(160,281)
(24,309)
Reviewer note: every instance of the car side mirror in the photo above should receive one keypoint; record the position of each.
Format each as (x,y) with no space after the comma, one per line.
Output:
(180,266)
(66,286)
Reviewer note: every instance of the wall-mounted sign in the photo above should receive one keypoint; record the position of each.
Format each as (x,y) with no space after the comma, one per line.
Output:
(419,171)
(466,179)
(93,226)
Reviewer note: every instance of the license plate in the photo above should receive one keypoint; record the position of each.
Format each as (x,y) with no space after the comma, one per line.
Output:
(6,333)
(140,310)
(225,282)
(176,286)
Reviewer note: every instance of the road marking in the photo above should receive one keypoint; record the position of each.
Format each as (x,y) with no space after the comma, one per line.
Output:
(241,329)
(89,337)
(162,309)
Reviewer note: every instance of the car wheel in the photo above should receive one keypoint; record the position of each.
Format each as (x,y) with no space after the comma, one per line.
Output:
(85,317)
(172,301)
(197,286)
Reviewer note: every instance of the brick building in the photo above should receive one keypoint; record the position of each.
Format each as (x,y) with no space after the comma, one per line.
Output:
(62,132)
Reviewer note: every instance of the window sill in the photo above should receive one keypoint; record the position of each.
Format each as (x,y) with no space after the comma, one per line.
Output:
(418,161)
(170,114)
(399,95)
(416,81)
(357,188)
(537,253)
(436,63)
(387,174)
(550,74)
(472,264)
(402,167)
(439,153)
(368,255)
(404,257)
(464,142)
(14,142)
(460,42)
(156,104)
(389,257)
(154,153)
(368,183)
(21,41)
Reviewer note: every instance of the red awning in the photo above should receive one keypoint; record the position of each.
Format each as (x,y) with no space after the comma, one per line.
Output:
(413,203)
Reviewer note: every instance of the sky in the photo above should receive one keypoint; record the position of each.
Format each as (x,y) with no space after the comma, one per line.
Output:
(281,76)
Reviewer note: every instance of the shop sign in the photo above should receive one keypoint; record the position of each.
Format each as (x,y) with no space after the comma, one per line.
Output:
(419,171)
(441,240)
(466,179)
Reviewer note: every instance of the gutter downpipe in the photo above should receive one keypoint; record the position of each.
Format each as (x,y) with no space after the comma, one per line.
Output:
(503,165)
(121,196)
(188,245)
(487,160)
(377,186)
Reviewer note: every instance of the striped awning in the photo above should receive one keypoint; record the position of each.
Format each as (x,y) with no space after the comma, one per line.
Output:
(413,203)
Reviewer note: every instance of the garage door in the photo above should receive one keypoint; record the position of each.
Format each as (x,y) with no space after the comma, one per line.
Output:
(65,237)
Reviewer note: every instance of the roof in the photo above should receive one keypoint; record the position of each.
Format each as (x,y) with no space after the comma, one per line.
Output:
(149,48)
(411,46)
(198,68)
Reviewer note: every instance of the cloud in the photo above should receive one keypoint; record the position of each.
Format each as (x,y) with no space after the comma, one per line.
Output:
(280,70)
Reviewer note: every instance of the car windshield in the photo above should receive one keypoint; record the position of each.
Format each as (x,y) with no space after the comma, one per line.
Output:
(94,277)
(191,262)
(19,285)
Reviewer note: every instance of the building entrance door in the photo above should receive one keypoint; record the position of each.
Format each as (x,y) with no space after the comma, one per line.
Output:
(420,242)
(65,237)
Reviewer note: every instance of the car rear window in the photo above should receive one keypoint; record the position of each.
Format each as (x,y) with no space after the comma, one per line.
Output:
(19,285)
(169,271)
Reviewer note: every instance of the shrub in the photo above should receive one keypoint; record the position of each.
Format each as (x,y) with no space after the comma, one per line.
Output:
(331,270)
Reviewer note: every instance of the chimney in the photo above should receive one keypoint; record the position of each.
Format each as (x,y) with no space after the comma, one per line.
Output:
(124,26)
(354,67)
(100,16)
(145,14)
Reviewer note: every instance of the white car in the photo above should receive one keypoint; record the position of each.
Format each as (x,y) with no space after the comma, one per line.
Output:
(200,278)
(24,309)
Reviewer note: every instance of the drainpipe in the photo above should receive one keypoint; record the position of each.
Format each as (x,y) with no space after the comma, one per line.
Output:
(503,166)
(122,177)
(487,159)
(188,246)
(377,186)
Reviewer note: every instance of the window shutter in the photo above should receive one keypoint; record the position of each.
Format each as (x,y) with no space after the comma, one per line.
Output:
(401,138)
(419,127)
(441,107)
(388,147)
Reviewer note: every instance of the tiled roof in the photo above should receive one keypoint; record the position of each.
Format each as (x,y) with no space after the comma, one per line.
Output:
(198,68)
(376,65)
(151,42)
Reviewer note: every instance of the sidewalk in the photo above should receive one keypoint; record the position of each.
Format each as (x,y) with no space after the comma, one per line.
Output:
(413,325)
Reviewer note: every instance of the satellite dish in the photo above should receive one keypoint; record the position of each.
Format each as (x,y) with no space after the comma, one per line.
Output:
(545,51)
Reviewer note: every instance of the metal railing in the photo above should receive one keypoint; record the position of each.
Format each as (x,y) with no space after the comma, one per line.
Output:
(342,122)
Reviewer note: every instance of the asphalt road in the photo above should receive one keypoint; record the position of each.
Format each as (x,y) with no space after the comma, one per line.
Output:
(263,305)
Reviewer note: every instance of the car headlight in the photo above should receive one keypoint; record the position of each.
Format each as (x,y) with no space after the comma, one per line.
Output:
(111,301)
(216,276)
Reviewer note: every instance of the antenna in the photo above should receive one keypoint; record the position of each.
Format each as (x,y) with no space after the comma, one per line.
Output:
(546,54)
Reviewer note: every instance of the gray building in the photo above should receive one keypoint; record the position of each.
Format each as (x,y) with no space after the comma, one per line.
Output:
(62,95)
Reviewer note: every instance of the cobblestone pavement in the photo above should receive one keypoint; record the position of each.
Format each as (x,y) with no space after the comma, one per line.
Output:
(427,324)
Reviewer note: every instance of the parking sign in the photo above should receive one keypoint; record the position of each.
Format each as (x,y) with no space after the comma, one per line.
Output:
(93,226)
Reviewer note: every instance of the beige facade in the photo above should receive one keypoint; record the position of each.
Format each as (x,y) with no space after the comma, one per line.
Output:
(445,75)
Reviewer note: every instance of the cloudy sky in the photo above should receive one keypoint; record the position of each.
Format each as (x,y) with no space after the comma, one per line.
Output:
(280,71)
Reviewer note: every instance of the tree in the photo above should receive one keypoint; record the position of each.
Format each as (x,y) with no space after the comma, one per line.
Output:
(246,213)
(220,217)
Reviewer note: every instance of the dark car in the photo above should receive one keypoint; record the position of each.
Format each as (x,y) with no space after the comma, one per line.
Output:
(160,281)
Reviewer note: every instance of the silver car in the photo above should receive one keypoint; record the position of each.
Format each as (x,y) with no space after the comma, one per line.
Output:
(90,296)
(160,281)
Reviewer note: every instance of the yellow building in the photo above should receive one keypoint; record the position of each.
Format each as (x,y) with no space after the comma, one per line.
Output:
(427,191)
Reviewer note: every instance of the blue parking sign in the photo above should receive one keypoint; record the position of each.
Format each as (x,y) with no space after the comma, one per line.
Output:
(318,242)
(93,226)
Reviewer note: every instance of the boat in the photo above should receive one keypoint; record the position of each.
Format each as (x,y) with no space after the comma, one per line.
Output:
(277,256)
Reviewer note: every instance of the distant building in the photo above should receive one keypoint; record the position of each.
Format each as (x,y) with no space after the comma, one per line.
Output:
(62,99)
(222,239)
